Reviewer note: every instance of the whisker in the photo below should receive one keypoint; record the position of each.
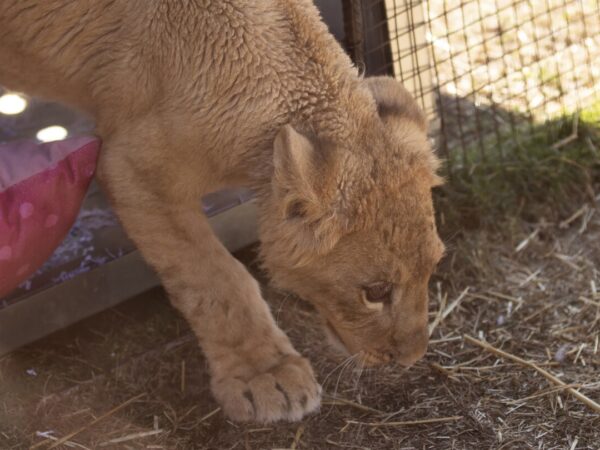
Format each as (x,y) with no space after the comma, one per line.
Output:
(348,364)
(343,366)
(324,383)
(361,367)
(282,304)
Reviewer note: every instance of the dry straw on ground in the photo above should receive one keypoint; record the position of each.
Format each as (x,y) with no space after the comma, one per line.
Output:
(115,381)
(526,293)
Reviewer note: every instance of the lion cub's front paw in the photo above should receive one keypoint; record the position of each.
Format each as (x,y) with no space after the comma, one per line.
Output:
(286,391)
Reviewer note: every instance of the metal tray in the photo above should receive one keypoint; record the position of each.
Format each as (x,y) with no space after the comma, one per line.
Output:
(98,267)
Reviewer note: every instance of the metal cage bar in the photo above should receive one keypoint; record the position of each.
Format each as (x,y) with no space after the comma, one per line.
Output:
(486,71)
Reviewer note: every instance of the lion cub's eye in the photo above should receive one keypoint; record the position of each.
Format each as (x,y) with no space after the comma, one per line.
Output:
(378,292)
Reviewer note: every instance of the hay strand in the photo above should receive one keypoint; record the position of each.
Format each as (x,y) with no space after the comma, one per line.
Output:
(88,425)
(408,423)
(581,397)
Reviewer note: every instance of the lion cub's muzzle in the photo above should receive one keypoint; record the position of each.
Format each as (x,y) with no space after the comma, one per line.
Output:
(411,347)
(405,349)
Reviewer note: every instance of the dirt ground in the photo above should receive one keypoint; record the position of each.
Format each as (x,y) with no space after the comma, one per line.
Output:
(132,377)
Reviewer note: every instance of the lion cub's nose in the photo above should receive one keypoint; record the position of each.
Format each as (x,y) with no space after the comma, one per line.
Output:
(412,346)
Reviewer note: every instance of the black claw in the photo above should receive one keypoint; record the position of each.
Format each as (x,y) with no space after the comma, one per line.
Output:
(287,398)
(304,401)
(250,398)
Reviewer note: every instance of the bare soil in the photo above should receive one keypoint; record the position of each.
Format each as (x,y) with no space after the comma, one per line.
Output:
(133,377)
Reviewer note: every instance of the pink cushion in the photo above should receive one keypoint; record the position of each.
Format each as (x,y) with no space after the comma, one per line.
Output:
(41,189)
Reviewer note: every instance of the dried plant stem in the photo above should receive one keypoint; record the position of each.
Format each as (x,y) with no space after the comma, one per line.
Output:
(297,437)
(209,415)
(408,422)
(342,401)
(85,427)
(130,437)
(570,138)
(584,399)
(443,313)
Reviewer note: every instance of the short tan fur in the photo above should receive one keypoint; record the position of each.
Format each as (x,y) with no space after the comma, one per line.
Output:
(190,96)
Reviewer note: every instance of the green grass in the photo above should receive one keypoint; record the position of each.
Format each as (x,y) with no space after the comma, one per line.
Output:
(549,77)
(545,171)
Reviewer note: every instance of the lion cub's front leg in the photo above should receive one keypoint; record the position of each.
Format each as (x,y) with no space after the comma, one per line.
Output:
(256,373)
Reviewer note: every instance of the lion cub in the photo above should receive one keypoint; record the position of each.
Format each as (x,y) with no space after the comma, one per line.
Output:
(192,96)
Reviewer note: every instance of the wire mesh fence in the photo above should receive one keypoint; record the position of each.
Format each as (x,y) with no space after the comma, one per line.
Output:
(486,71)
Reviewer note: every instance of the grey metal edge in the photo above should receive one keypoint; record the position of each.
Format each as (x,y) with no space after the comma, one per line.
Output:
(61,305)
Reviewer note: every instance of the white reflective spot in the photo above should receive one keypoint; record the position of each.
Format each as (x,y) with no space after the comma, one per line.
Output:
(53,133)
(11,104)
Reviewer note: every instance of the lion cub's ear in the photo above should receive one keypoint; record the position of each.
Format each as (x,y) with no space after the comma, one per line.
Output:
(296,173)
(303,190)
(394,101)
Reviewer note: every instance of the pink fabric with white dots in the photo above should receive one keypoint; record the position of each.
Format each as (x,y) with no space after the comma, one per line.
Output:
(41,190)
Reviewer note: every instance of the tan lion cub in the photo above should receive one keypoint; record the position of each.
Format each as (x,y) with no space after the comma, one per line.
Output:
(194,95)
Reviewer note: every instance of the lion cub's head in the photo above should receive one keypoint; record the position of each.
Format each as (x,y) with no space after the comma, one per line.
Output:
(350,227)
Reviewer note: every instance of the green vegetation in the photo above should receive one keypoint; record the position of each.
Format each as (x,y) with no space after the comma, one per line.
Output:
(545,171)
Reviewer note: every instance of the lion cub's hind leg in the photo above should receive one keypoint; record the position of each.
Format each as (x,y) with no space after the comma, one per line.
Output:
(256,373)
